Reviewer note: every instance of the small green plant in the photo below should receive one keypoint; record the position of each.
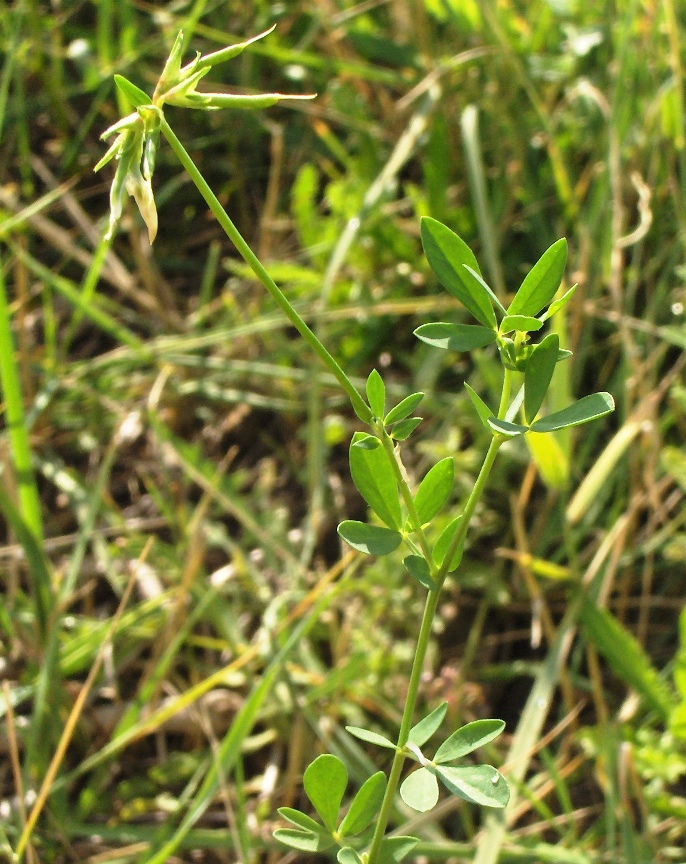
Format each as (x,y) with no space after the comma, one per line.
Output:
(405,516)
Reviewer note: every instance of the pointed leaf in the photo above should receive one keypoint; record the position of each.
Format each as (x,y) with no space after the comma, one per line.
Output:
(135,95)
(403,409)
(370,539)
(305,841)
(563,354)
(325,780)
(347,855)
(302,820)
(521,323)
(376,393)
(371,737)
(480,784)
(538,374)
(481,407)
(541,282)
(440,549)
(434,490)
(422,731)
(365,441)
(373,475)
(468,739)
(472,274)
(418,568)
(557,305)
(589,408)
(404,428)
(504,427)
(393,850)
(446,253)
(419,790)
(365,805)
(455,337)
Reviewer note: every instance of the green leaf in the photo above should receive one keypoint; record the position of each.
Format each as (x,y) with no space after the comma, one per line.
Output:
(370,539)
(376,393)
(135,95)
(365,441)
(504,427)
(557,305)
(419,790)
(481,407)
(418,568)
(371,737)
(440,549)
(471,275)
(434,490)
(467,739)
(404,428)
(455,337)
(373,475)
(541,282)
(521,323)
(480,784)
(447,253)
(589,408)
(394,849)
(422,731)
(563,354)
(538,374)
(626,657)
(365,805)
(403,409)
(305,841)
(347,855)
(302,820)
(325,780)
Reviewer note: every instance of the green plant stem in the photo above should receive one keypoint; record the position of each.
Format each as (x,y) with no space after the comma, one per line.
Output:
(358,403)
(425,629)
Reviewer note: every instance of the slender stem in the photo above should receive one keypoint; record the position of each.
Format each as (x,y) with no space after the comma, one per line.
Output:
(361,409)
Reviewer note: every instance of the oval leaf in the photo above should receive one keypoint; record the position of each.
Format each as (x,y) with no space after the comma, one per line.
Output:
(589,408)
(422,731)
(447,253)
(371,737)
(538,374)
(467,739)
(440,550)
(365,806)
(521,323)
(396,849)
(370,539)
(305,841)
(376,393)
(373,475)
(404,428)
(302,820)
(541,282)
(325,780)
(435,489)
(403,409)
(347,855)
(418,568)
(419,790)
(456,337)
(479,784)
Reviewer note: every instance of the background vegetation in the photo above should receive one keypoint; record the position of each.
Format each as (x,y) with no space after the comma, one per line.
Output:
(190,458)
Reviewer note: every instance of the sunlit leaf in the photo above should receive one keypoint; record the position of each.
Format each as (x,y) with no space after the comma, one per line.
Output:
(370,539)
(541,282)
(589,408)
(556,305)
(305,841)
(371,737)
(365,805)
(442,545)
(419,790)
(538,374)
(403,409)
(521,323)
(347,855)
(373,475)
(455,337)
(402,430)
(395,849)
(480,784)
(434,490)
(302,820)
(376,393)
(467,739)
(325,780)
(135,95)
(481,407)
(504,427)
(422,731)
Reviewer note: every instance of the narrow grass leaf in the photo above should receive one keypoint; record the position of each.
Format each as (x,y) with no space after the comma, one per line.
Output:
(467,739)
(541,282)
(422,731)
(395,849)
(371,737)
(325,780)
(376,393)
(442,545)
(538,374)
(626,657)
(434,490)
(589,408)
(521,323)
(455,337)
(403,409)
(481,407)
(419,790)
(374,478)
(480,784)
(418,568)
(370,539)
(304,841)
(447,253)
(365,805)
